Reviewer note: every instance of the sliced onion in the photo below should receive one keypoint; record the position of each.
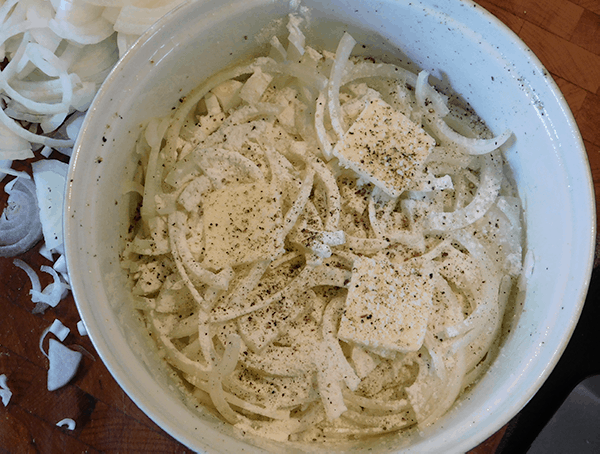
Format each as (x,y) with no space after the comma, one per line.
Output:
(487,192)
(342,54)
(322,138)
(53,293)
(5,392)
(472,146)
(50,180)
(20,226)
(16,128)
(66,422)
(424,92)
(33,277)
(12,146)
(134,20)
(219,373)
(35,284)
(90,33)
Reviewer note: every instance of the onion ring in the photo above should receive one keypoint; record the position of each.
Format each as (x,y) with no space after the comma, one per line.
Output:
(20,226)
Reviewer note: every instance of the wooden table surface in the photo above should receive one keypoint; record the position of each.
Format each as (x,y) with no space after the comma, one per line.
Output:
(565,34)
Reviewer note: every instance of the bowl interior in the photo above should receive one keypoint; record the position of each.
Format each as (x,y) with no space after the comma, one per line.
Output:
(464,48)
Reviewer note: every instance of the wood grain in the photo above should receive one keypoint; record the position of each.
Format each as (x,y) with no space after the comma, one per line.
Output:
(566,37)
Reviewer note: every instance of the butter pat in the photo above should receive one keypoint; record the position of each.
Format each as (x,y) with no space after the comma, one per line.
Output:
(384,147)
(387,307)
(242,223)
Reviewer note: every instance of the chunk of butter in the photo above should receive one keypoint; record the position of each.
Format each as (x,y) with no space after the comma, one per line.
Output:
(387,307)
(242,223)
(384,147)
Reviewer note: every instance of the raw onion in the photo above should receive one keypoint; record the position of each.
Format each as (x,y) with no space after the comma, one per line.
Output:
(20,226)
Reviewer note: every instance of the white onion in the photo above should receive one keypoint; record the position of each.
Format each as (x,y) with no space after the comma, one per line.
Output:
(20,226)
(342,53)
(50,180)
(5,392)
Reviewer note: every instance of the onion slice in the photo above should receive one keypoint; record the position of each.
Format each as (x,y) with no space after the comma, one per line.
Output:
(63,365)
(50,179)
(20,226)
(342,54)
(471,145)
(66,422)
(5,392)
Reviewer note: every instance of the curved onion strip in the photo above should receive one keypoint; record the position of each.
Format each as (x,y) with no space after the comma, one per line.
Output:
(203,327)
(135,20)
(53,293)
(241,403)
(176,358)
(153,177)
(22,27)
(365,245)
(425,92)
(192,99)
(375,404)
(390,422)
(306,75)
(472,146)
(12,146)
(486,313)
(240,292)
(176,233)
(67,422)
(215,379)
(94,61)
(362,70)
(329,331)
(322,138)
(33,277)
(297,207)
(477,364)
(33,106)
(56,328)
(377,229)
(13,66)
(238,308)
(342,54)
(31,137)
(44,60)
(450,391)
(483,323)
(334,199)
(487,192)
(90,33)
(328,380)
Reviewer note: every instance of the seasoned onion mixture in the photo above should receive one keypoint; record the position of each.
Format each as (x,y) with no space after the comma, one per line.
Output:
(324,249)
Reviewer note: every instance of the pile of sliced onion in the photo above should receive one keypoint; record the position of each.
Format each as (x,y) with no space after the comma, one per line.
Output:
(56,54)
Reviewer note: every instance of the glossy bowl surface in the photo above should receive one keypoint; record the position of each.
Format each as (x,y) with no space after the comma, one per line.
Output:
(464,48)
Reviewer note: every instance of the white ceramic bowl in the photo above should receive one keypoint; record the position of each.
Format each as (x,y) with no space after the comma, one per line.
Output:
(461,45)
